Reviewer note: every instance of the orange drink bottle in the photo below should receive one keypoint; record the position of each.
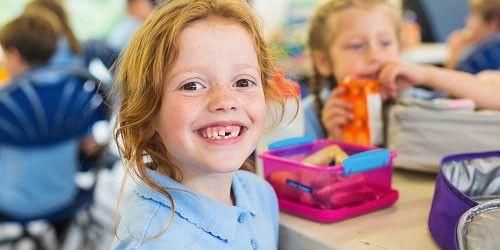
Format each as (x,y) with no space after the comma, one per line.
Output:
(366,126)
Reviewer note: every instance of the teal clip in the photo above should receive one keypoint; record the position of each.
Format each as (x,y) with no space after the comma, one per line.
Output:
(365,161)
(294,141)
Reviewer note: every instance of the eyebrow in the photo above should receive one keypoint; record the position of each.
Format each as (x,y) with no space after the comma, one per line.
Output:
(200,68)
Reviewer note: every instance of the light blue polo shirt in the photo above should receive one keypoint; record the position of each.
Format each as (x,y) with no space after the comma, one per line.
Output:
(199,222)
(312,123)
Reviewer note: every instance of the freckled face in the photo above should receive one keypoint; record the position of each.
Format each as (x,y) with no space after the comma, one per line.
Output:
(213,109)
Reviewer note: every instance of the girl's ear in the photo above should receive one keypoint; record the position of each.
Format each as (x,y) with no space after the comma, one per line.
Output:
(322,63)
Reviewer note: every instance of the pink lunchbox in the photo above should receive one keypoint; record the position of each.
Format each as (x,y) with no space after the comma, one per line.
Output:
(330,193)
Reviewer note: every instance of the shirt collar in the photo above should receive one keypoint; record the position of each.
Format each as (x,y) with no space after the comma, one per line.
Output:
(325,93)
(215,218)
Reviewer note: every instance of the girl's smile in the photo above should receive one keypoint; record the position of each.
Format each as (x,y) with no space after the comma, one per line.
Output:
(223,132)
(213,109)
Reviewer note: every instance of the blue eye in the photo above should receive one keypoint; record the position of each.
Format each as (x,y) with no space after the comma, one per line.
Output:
(192,86)
(356,46)
(244,83)
(386,44)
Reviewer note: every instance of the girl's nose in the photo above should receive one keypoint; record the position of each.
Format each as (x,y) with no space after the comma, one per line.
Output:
(222,100)
(373,54)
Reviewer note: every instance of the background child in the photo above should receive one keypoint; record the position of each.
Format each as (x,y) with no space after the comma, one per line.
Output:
(347,38)
(194,83)
(26,43)
(475,47)
(69,51)
(34,183)
(483,88)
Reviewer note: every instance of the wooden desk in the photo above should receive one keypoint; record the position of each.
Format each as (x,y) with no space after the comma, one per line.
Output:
(401,226)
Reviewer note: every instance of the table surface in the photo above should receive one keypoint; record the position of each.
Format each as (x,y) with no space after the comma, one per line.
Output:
(400,226)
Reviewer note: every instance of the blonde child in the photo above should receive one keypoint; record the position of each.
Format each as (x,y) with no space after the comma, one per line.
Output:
(194,83)
(348,39)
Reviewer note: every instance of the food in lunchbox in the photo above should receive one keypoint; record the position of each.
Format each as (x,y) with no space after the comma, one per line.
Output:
(306,199)
(337,193)
(330,155)
(279,180)
(342,199)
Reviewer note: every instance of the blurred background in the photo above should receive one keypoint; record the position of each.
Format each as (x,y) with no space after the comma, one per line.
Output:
(428,23)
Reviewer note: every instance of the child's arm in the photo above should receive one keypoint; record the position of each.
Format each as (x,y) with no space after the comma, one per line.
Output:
(483,88)
(335,114)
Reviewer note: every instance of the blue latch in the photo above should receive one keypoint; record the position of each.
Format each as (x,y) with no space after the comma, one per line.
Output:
(294,141)
(366,161)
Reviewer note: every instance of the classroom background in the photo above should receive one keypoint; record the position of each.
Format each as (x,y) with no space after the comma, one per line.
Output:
(402,225)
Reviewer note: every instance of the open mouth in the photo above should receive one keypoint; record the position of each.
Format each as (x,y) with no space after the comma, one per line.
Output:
(222,132)
(372,76)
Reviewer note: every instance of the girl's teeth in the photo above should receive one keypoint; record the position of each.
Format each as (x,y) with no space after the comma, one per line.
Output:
(218,133)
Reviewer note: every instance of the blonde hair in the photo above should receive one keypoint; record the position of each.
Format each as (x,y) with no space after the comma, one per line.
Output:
(142,69)
(488,10)
(322,34)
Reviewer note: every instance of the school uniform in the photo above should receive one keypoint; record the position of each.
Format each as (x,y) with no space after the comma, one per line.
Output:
(312,123)
(199,222)
(484,56)
(63,56)
(34,181)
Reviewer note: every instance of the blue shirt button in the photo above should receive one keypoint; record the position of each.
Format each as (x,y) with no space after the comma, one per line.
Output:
(242,218)
(254,243)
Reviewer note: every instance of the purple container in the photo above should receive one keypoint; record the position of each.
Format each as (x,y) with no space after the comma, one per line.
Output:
(453,196)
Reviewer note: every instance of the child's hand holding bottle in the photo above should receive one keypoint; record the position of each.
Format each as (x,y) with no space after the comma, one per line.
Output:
(336,113)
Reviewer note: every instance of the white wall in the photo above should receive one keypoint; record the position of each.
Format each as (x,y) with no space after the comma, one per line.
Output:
(272,12)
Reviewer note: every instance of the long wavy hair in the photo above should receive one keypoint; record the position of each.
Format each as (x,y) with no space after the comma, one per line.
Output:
(141,73)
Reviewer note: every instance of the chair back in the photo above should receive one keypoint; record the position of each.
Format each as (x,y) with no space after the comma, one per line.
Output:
(49,105)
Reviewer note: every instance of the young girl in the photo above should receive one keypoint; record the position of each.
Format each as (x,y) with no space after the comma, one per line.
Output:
(348,39)
(194,83)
